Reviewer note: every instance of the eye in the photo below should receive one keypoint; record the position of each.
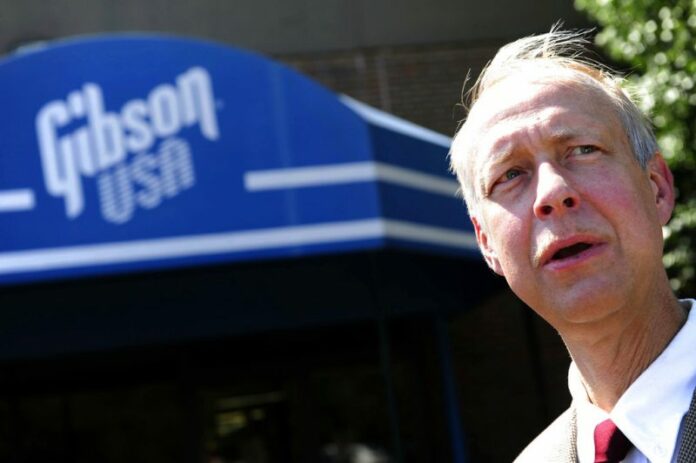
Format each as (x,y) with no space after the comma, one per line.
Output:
(508,176)
(511,174)
(508,180)
(585,149)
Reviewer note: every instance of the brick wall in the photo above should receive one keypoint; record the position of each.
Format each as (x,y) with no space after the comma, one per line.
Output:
(422,84)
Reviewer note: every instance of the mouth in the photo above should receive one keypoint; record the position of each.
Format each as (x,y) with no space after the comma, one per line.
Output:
(570,251)
(566,253)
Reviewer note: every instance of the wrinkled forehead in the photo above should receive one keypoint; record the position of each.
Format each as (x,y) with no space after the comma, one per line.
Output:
(512,97)
(514,102)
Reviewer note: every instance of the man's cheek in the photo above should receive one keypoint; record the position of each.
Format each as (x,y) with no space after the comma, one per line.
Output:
(619,191)
(513,251)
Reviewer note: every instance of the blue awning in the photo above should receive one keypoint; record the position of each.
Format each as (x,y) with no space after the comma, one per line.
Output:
(130,152)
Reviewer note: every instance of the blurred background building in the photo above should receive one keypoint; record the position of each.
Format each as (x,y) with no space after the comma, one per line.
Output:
(385,355)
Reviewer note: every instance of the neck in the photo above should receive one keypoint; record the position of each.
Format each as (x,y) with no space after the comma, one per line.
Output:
(612,354)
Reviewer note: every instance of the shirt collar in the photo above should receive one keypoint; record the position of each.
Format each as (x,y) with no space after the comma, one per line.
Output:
(650,412)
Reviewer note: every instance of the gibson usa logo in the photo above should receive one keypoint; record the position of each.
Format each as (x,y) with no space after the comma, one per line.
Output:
(116,148)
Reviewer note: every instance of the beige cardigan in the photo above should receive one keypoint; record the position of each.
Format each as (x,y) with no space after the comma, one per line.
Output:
(557,444)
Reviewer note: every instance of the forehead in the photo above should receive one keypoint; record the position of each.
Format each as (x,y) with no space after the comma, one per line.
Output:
(530,101)
(512,111)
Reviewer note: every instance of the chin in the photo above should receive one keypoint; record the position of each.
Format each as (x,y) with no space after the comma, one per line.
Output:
(580,306)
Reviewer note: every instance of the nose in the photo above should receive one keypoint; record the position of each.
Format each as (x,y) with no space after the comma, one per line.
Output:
(554,195)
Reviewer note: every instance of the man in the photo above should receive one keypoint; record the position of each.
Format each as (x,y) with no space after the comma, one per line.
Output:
(568,193)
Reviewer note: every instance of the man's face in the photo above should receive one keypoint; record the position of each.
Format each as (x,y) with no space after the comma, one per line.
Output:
(565,212)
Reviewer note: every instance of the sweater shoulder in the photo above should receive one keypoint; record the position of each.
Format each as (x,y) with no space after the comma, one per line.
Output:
(556,443)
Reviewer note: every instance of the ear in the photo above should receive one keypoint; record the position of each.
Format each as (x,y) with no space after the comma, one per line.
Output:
(662,183)
(486,248)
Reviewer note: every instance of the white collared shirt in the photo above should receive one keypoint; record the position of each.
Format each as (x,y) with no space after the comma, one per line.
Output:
(651,410)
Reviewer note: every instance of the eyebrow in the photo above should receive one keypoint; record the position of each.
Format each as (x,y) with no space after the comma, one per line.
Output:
(502,155)
(562,135)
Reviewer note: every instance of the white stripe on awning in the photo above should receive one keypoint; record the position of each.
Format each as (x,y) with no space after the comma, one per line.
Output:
(17,200)
(396,124)
(352,172)
(218,243)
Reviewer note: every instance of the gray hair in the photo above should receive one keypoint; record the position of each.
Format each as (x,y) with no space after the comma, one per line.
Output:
(555,56)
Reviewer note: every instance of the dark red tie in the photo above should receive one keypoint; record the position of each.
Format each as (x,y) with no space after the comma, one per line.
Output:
(611,446)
